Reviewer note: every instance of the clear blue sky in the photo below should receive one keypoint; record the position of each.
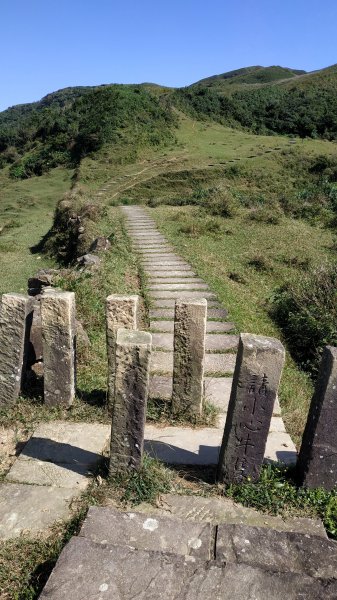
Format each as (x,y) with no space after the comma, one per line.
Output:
(49,44)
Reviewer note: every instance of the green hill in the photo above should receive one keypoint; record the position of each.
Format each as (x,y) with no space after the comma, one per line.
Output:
(69,124)
(248,76)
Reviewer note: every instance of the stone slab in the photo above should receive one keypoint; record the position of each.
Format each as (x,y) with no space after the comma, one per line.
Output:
(183,285)
(31,509)
(105,571)
(215,364)
(61,454)
(224,510)
(182,294)
(216,313)
(277,551)
(211,326)
(173,280)
(169,273)
(170,303)
(188,446)
(217,391)
(221,342)
(160,387)
(110,526)
(159,268)
(168,313)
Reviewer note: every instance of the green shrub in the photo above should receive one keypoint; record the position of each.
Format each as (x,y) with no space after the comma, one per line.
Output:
(306,311)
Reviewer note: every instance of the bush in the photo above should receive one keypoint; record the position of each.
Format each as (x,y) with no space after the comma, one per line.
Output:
(306,311)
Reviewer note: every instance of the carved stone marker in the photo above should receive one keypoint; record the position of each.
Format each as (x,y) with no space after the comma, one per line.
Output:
(317,461)
(189,356)
(121,313)
(256,379)
(15,320)
(58,336)
(133,355)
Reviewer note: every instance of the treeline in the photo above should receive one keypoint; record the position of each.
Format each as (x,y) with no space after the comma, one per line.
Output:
(70,124)
(309,112)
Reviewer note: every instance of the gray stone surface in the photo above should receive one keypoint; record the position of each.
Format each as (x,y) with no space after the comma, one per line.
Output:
(169,280)
(188,356)
(221,342)
(110,526)
(160,387)
(317,461)
(215,364)
(31,509)
(217,391)
(133,355)
(97,571)
(121,313)
(277,551)
(183,294)
(211,326)
(62,454)
(224,510)
(15,320)
(256,379)
(58,319)
(163,341)
(177,286)
(188,446)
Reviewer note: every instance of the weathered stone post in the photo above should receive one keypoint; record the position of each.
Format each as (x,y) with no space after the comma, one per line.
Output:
(58,321)
(121,313)
(133,355)
(256,379)
(15,319)
(189,356)
(317,461)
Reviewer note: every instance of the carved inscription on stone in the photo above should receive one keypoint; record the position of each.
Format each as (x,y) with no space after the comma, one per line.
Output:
(256,379)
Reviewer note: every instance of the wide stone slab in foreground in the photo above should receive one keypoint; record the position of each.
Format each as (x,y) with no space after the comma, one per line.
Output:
(110,526)
(224,510)
(279,551)
(86,569)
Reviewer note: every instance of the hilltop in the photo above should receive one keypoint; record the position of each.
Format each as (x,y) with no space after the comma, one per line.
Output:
(247,77)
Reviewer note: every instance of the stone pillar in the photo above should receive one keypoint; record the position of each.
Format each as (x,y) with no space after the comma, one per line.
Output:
(317,461)
(15,320)
(256,379)
(58,321)
(189,356)
(121,313)
(133,354)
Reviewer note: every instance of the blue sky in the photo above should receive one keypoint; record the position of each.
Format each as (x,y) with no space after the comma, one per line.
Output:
(49,44)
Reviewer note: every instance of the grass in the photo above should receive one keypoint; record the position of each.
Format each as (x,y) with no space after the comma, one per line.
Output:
(159,411)
(26,214)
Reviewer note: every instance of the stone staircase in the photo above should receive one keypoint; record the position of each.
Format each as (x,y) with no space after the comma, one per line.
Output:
(170,277)
(198,551)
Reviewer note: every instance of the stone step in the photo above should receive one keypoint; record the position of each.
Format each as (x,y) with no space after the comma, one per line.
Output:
(168,313)
(110,526)
(173,280)
(215,364)
(182,294)
(87,569)
(170,303)
(188,446)
(283,552)
(168,274)
(219,342)
(225,511)
(185,285)
(32,509)
(62,454)
(211,326)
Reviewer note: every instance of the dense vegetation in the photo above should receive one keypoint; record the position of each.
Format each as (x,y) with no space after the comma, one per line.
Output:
(66,126)
(299,112)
